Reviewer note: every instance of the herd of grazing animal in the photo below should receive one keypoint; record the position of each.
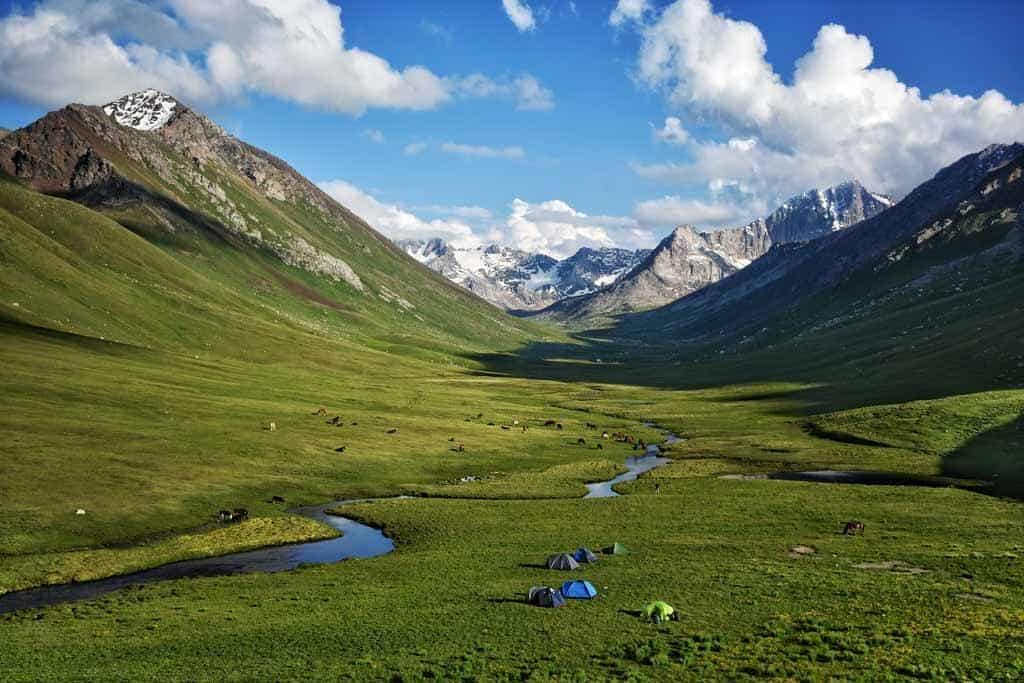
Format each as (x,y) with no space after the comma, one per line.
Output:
(236,515)
(850,528)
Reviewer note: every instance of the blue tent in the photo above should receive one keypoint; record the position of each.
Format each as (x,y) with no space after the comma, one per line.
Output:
(579,590)
(584,556)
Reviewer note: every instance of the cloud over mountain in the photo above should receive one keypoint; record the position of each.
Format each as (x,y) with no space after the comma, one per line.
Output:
(93,51)
(839,117)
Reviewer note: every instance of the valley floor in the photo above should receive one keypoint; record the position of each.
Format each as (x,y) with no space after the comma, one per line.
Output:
(932,590)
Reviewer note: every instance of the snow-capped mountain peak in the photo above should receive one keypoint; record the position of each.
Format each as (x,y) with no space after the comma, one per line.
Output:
(818,212)
(143,110)
(521,280)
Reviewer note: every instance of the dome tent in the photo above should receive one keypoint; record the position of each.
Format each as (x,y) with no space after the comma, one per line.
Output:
(584,556)
(579,590)
(545,596)
(659,611)
(563,561)
(616,549)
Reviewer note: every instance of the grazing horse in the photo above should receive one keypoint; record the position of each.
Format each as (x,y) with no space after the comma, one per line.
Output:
(852,527)
(581,441)
(451,438)
(224,515)
(558,426)
(505,427)
(321,412)
(591,425)
(339,449)
(336,421)
(239,515)
(524,428)
(460,448)
(392,430)
(277,500)
(272,427)
(600,447)
(549,423)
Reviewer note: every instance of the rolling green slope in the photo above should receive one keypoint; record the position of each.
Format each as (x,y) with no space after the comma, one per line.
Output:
(158,310)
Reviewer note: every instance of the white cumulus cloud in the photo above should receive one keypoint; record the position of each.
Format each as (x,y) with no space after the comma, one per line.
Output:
(839,118)
(395,222)
(672,132)
(555,228)
(520,14)
(93,51)
(670,211)
(628,10)
(526,91)
(375,135)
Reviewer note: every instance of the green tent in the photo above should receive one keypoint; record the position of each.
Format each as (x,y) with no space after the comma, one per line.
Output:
(616,549)
(658,611)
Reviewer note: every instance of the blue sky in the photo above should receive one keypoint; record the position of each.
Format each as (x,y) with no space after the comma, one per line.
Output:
(566,116)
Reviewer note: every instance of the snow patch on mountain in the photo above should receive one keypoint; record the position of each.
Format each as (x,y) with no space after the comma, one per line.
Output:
(144,110)
(520,280)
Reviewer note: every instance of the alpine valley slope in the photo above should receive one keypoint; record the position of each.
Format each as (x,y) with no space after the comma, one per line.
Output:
(217,335)
(519,280)
(688,260)
(166,294)
(183,213)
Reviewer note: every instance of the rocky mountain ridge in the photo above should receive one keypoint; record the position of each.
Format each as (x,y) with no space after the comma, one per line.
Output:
(520,280)
(838,265)
(688,260)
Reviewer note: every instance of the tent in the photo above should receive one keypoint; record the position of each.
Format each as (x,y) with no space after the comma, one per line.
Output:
(658,611)
(562,561)
(579,590)
(616,549)
(544,596)
(584,556)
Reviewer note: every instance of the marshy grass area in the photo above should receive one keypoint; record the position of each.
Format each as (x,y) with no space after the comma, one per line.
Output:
(932,590)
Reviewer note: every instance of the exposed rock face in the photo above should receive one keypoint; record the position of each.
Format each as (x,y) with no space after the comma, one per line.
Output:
(520,280)
(3,132)
(116,157)
(819,212)
(687,261)
(922,228)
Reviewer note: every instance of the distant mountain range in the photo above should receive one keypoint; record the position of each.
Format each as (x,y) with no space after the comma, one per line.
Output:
(520,280)
(687,260)
(959,232)
(594,282)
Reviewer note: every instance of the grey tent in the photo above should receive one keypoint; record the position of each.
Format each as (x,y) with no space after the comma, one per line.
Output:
(584,556)
(562,561)
(616,549)
(545,596)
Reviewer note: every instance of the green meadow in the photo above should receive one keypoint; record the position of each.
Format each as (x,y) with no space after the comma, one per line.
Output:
(143,367)
(931,591)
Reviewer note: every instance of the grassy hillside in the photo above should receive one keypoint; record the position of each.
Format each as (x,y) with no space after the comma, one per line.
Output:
(147,346)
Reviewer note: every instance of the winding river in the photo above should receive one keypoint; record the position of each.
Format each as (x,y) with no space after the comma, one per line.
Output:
(356,541)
